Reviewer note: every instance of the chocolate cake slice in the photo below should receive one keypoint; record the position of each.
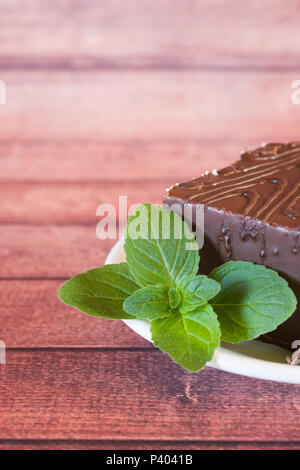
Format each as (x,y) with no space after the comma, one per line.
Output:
(252,213)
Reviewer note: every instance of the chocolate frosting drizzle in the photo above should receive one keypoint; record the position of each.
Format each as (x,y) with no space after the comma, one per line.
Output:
(264,184)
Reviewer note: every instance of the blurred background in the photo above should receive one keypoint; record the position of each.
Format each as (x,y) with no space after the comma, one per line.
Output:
(111,97)
(146,90)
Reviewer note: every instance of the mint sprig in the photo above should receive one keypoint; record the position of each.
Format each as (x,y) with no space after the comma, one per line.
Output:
(196,291)
(190,339)
(155,247)
(149,303)
(189,313)
(100,292)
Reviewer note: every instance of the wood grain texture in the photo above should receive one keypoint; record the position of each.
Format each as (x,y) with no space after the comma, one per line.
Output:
(50,251)
(136,160)
(72,203)
(149,105)
(104,100)
(137,395)
(33,317)
(143,445)
(89,33)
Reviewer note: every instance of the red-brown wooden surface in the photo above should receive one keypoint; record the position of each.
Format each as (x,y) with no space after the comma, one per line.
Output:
(125,98)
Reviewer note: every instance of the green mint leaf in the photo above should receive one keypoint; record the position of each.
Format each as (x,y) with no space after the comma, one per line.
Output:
(148,303)
(196,291)
(101,291)
(156,247)
(189,339)
(174,298)
(253,300)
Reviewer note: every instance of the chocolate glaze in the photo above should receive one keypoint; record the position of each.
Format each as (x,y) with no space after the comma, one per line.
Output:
(252,213)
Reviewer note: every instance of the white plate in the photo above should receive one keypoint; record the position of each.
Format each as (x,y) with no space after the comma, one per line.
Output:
(251,358)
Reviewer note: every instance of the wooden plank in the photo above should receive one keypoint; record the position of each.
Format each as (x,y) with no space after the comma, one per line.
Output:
(50,251)
(137,395)
(71,203)
(149,105)
(33,316)
(169,161)
(190,33)
(149,445)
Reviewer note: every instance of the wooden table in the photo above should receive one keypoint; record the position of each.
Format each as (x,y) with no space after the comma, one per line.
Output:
(104,101)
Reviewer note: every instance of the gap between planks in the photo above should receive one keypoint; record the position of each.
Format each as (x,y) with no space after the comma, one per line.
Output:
(90,64)
(64,444)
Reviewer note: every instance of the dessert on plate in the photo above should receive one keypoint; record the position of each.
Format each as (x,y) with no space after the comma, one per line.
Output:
(252,213)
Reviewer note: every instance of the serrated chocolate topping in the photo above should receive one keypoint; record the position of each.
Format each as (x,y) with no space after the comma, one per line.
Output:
(264,184)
